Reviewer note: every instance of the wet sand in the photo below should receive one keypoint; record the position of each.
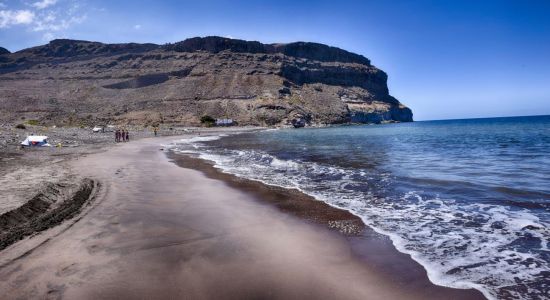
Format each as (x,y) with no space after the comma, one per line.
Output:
(160,231)
(373,249)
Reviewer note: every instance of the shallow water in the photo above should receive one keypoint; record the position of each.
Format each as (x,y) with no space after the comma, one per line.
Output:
(468,199)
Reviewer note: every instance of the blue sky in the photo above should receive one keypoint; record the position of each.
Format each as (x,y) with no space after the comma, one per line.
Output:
(445,59)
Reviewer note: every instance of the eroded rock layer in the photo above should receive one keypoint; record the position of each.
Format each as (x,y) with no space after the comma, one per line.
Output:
(69,82)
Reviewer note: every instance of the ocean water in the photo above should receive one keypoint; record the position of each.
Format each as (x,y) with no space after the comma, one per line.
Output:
(467,199)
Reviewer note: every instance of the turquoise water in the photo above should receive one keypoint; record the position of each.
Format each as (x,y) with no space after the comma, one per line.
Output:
(468,199)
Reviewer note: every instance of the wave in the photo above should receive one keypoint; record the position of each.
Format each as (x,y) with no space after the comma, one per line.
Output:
(461,245)
(192,142)
(529,198)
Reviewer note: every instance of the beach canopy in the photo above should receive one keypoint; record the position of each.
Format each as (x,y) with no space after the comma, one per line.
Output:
(36,140)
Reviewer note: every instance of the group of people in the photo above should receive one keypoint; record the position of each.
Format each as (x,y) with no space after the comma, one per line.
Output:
(122,135)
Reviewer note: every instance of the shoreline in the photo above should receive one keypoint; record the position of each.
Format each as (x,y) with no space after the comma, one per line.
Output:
(158,230)
(369,246)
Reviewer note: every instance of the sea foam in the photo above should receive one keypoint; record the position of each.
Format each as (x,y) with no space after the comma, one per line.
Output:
(460,245)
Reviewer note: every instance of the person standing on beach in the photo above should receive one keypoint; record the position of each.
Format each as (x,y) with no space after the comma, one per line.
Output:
(127,136)
(155,130)
(117,135)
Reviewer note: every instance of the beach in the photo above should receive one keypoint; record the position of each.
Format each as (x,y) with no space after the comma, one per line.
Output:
(157,230)
(446,193)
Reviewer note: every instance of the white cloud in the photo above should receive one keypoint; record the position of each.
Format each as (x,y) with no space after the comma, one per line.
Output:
(44,3)
(48,36)
(15,17)
(24,17)
(51,22)
(44,17)
(137,27)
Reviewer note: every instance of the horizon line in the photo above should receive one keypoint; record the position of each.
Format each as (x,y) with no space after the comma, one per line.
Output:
(476,118)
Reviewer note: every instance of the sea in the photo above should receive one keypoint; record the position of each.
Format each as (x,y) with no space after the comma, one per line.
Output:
(468,199)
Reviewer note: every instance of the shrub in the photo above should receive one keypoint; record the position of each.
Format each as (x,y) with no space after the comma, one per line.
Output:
(208,120)
(32,122)
(20,126)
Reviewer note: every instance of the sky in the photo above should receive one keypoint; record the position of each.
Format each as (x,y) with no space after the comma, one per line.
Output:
(444,59)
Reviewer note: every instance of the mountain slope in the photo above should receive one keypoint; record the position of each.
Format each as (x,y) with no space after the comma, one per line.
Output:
(81,82)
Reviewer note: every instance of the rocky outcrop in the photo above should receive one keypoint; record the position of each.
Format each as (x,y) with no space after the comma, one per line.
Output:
(372,114)
(3,55)
(367,78)
(81,82)
(298,122)
(311,51)
(70,48)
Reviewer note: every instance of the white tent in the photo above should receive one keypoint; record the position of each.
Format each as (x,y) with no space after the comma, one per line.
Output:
(36,140)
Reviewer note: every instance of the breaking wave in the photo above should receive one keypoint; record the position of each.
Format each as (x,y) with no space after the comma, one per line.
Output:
(461,245)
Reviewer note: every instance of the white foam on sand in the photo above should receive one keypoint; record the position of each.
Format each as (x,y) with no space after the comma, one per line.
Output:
(460,245)
(197,139)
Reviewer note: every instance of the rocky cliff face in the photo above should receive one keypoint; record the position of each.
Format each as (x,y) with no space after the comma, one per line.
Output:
(80,82)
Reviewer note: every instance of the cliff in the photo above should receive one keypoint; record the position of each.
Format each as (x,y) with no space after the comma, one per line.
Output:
(81,82)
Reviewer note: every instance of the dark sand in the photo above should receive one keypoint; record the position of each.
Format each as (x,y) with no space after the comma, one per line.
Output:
(372,248)
(160,231)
